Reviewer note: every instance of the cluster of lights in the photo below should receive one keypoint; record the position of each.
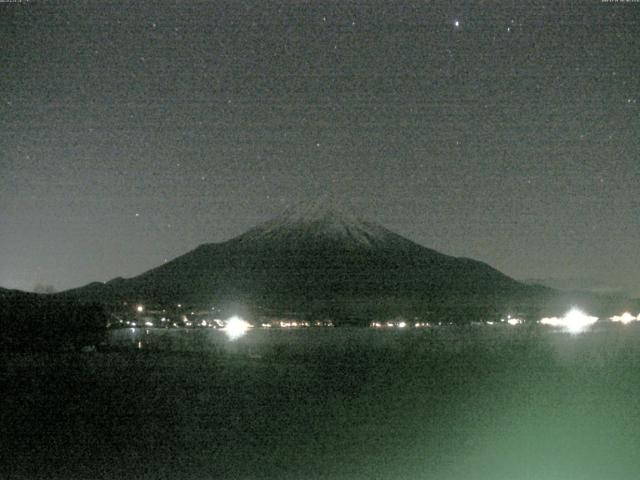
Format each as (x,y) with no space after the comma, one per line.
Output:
(625,318)
(513,321)
(574,321)
(296,324)
(399,324)
(293,324)
(188,319)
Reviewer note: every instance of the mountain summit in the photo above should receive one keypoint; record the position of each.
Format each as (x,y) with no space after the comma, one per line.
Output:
(319,261)
(320,223)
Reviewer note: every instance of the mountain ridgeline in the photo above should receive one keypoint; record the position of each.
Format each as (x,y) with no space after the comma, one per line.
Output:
(320,262)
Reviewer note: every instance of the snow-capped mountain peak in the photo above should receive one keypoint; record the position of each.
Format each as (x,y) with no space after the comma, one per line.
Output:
(323,220)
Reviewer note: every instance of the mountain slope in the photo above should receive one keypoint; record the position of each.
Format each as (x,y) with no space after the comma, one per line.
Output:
(316,259)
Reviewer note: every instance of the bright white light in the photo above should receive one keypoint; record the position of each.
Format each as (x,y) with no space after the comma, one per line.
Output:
(149,324)
(456,23)
(236,327)
(574,321)
(402,324)
(625,318)
(514,321)
(140,308)
(551,321)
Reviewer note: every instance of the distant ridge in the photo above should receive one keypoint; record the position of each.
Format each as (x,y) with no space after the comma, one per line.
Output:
(6,293)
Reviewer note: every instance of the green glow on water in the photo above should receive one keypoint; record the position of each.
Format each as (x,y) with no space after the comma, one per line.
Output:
(499,403)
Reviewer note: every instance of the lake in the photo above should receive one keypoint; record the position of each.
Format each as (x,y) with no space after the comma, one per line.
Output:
(329,403)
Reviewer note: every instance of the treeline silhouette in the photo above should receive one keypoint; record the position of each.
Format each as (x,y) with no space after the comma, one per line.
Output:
(33,322)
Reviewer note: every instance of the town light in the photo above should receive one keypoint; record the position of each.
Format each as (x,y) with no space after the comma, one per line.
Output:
(625,318)
(140,308)
(574,321)
(236,327)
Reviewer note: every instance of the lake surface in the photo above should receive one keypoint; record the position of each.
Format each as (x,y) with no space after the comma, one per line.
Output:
(323,403)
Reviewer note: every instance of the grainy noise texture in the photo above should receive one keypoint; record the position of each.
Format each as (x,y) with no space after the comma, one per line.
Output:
(131,132)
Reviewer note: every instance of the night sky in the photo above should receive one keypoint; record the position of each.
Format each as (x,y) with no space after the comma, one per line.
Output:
(132,132)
